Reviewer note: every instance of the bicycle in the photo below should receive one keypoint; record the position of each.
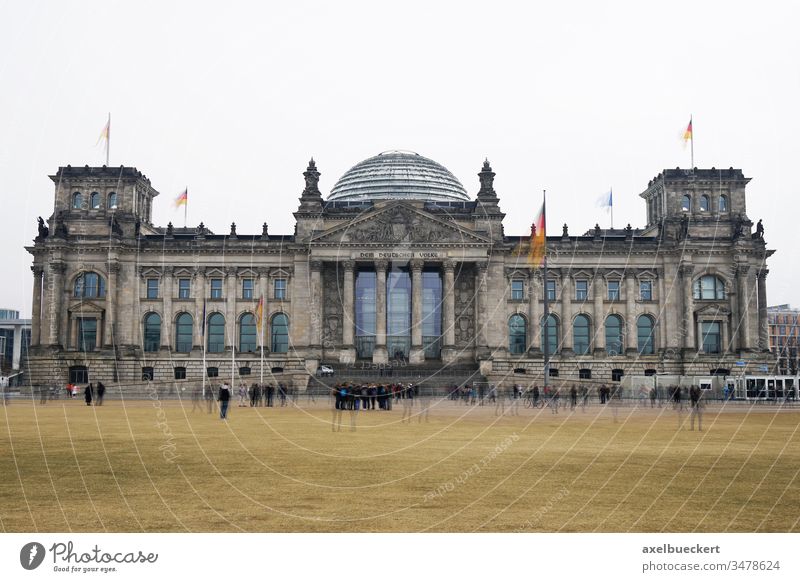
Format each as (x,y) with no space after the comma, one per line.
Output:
(533,402)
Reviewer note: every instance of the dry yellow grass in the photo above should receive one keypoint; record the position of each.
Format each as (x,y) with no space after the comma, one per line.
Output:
(68,467)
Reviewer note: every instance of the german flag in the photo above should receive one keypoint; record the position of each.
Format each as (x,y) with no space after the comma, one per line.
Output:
(538,240)
(687,135)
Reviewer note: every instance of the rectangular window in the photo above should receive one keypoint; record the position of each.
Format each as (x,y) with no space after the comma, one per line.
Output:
(247,288)
(216,288)
(712,338)
(212,372)
(585,374)
(147,373)
(551,290)
(517,290)
(279,288)
(184,288)
(180,373)
(87,334)
(646,290)
(152,288)
(581,290)
(613,290)
(782,330)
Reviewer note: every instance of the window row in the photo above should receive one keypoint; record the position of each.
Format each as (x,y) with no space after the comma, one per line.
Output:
(582,334)
(582,290)
(704,203)
(95,200)
(216,286)
(214,333)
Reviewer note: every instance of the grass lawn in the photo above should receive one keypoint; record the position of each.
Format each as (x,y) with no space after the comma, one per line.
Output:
(158,466)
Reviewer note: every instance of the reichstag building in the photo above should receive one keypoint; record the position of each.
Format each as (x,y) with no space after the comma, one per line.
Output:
(398,265)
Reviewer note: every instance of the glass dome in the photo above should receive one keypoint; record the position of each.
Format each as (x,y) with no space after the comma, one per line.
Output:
(398,175)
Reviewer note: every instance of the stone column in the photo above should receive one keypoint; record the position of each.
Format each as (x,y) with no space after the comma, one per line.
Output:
(689,345)
(599,337)
(111,304)
(481,268)
(743,320)
(36,306)
(566,313)
(631,335)
(166,295)
(449,314)
(199,291)
(380,354)
(348,351)
(263,290)
(316,304)
(417,353)
(55,293)
(230,307)
(534,315)
(763,321)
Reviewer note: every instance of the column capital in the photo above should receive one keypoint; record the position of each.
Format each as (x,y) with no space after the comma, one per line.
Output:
(37,270)
(58,267)
(381,265)
(348,265)
(686,271)
(762,273)
(263,272)
(315,265)
(114,267)
(741,268)
(482,265)
(449,265)
(231,271)
(417,264)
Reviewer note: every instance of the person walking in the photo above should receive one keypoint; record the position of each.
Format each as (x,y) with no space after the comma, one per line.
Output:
(101,392)
(697,404)
(224,397)
(282,393)
(87,394)
(243,395)
(573,397)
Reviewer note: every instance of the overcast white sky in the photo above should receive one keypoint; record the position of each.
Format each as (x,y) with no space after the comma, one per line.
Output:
(232,100)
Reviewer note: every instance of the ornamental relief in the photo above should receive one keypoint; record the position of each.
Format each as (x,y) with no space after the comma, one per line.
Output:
(332,299)
(465,307)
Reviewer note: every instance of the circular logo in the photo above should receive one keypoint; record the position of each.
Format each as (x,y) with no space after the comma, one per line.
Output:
(31,555)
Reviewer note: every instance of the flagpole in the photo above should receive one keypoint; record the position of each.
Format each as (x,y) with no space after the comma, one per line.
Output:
(546,346)
(611,204)
(261,337)
(108,139)
(185,206)
(203,340)
(691,138)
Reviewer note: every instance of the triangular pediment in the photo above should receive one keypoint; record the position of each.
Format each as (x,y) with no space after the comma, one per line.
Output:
(713,309)
(396,223)
(87,306)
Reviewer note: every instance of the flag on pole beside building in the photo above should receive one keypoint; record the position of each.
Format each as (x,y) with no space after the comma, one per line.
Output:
(259,314)
(606,200)
(687,134)
(538,239)
(182,199)
(105,136)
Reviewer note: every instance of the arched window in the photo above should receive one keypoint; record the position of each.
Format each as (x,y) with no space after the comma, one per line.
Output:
(280,333)
(90,285)
(517,334)
(77,200)
(686,203)
(709,287)
(723,203)
(614,335)
(247,333)
(552,334)
(704,203)
(152,332)
(183,333)
(580,335)
(216,333)
(644,329)
(112,200)
(95,200)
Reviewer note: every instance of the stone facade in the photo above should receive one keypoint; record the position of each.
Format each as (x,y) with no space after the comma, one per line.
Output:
(694,276)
